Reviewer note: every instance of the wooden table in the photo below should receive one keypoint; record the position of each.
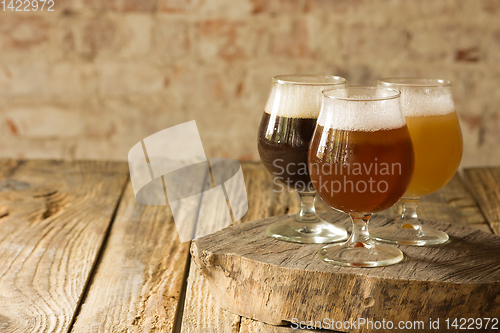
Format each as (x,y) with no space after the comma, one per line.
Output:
(79,254)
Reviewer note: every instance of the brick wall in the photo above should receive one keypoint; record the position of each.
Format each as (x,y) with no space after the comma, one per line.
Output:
(94,77)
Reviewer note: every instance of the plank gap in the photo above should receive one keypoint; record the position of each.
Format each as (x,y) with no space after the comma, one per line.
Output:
(466,181)
(98,259)
(182,297)
(13,170)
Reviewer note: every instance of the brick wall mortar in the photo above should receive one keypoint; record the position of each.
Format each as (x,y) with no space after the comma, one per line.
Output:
(119,70)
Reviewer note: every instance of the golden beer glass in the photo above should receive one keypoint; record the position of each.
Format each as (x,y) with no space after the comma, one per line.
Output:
(361,162)
(432,120)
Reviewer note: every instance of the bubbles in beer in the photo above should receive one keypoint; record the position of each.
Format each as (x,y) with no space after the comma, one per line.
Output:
(425,102)
(361,115)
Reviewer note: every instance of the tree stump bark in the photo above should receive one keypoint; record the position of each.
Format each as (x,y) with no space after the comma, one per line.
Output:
(259,277)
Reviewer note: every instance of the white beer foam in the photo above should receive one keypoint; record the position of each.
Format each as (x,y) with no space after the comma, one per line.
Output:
(295,101)
(364,116)
(422,103)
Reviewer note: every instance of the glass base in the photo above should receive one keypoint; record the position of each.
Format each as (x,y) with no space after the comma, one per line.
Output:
(361,254)
(315,232)
(409,234)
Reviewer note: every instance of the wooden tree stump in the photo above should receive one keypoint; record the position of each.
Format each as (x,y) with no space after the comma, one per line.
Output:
(256,276)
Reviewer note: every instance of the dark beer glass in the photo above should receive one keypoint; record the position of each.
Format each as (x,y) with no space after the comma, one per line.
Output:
(285,132)
(361,162)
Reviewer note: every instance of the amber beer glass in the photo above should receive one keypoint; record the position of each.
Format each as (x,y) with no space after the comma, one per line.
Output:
(361,162)
(432,120)
(285,132)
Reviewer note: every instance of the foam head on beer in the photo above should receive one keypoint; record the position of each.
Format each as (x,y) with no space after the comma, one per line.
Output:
(352,109)
(422,97)
(299,95)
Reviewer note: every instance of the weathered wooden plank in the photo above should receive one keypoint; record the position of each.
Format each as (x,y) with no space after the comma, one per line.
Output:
(56,216)
(264,198)
(201,313)
(272,281)
(253,326)
(137,283)
(200,310)
(485,184)
(452,204)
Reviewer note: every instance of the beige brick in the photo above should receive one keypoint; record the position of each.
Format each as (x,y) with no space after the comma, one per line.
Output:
(40,79)
(23,32)
(23,79)
(64,79)
(358,11)
(368,11)
(138,29)
(66,37)
(5,79)
(447,43)
(278,6)
(257,83)
(123,78)
(489,7)
(325,36)
(481,139)
(230,40)
(229,132)
(102,150)
(492,124)
(109,5)
(134,117)
(25,38)
(445,8)
(118,124)
(491,47)
(476,93)
(99,34)
(139,5)
(334,7)
(374,44)
(68,6)
(42,122)
(196,87)
(147,6)
(228,9)
(180,6)
(171,38)
(36,149)
(291,38)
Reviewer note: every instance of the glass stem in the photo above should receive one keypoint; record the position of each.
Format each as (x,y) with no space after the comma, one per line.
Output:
(307,210)
(360,234)
(409,212)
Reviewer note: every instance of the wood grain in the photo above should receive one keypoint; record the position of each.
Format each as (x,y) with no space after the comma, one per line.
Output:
(452,204)
(252,326)
(272,281)
(201,313)
(485,184)
(55,216)
(200,310)
(137,284)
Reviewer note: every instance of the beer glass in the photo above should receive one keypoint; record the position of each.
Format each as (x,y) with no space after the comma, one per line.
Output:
(428,107)
(285,132)
(361,162)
